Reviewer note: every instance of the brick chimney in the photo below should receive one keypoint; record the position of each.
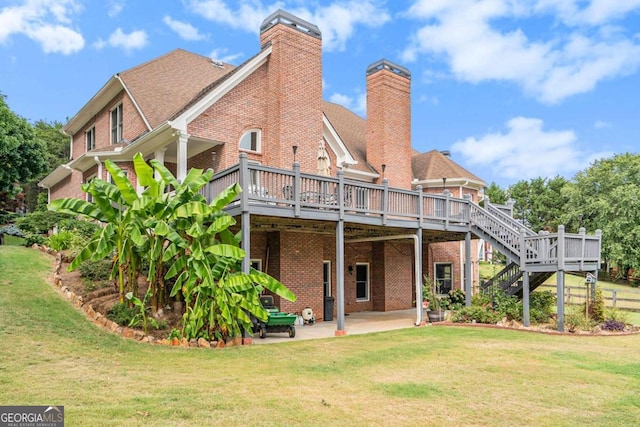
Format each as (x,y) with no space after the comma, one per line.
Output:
(294,87)
(388,126)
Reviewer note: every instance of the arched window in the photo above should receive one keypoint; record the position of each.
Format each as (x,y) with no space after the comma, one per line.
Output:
(251,140)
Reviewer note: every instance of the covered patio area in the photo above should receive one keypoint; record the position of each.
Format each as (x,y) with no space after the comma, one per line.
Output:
(355,323)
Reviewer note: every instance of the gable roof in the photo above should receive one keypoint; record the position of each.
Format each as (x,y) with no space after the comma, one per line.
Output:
(351,129)
(164,85)
(433,166)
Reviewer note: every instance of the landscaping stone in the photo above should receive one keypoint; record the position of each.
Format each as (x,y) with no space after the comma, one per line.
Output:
(138,335)
(127,333)
(175,342)
(203,343)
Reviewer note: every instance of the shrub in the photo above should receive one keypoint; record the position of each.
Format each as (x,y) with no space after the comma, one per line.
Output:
(31,239)
(479,314)
(541,306)
(122,314)
(7,217)
(612,325)
(507,305)
(96,270)
(457,299)
(83,228)
(576,320)
(596,307)
(61,240)
(617,315)
(40,222)
(11,230)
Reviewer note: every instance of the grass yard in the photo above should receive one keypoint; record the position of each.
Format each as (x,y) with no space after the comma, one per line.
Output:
(51,355)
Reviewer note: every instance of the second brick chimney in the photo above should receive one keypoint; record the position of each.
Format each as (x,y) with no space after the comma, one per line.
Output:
(388,126)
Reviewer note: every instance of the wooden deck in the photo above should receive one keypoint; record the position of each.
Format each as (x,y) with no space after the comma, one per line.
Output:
(289,198)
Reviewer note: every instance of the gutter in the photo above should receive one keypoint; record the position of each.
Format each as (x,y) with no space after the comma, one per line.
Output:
(416,266)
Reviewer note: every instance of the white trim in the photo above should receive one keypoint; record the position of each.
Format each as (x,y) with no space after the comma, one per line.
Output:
(360,175)
(135,104)
(343,156)
(258,133)
(368,297)
(451,182)
(100,100)
(212,97)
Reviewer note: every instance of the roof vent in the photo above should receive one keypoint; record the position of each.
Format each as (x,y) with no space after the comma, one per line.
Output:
(217,63)
(446,153)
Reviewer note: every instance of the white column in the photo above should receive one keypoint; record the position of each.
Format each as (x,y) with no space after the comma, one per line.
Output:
(159,156)
(181,154)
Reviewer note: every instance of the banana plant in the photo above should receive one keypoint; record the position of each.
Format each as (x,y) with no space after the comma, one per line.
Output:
(110,205)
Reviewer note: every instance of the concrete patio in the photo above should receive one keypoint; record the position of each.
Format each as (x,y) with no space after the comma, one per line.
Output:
(355,323)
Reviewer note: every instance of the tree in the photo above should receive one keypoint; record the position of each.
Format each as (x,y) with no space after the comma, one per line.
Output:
(56,152)
(21,153)
(496,194)
(539,202)
(606,196)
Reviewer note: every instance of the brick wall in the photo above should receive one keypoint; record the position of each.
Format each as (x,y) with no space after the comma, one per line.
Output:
(388,126)
(68,187)
(132,125)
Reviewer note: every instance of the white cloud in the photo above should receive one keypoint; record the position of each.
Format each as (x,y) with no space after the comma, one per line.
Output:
(120,39)
(221,55)
(185,30)
(47,22)
(357,103)
(525,150)
(115,7)
(601,124)
(568,61)
(337,21)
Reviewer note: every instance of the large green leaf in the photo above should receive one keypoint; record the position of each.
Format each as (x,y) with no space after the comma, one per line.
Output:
(227,251)
(121,181)
(165,175)
(272,284)
(77,207)
(145,176)
(221,223)
(190,209)
(226,196)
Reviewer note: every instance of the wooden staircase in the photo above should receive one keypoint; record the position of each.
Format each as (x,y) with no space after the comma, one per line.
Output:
(540,254)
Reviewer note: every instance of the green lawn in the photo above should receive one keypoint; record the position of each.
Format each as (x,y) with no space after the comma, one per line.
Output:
(13,240)
(51,355)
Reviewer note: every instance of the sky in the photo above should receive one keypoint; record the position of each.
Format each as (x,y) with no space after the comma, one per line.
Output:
(514,89)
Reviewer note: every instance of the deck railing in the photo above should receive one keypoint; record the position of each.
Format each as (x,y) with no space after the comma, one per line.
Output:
(301,192)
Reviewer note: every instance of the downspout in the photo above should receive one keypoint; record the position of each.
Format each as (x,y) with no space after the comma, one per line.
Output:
(99,163)
(416,265)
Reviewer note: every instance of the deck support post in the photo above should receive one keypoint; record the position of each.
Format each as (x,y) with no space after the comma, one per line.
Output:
(245,227)
(467,269)
(560,298)
(340,329)
(526,320)
(418,273)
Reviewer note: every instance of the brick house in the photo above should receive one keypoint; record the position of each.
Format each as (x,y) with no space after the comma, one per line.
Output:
(361,233)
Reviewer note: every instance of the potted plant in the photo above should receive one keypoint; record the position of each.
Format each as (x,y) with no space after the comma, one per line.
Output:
(432,301)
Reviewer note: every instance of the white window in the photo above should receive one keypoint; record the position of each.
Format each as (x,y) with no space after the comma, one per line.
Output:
(256,264)
(251,140)
(444,277)
(362,282)
(326,277)
(116,124)
(90,138)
